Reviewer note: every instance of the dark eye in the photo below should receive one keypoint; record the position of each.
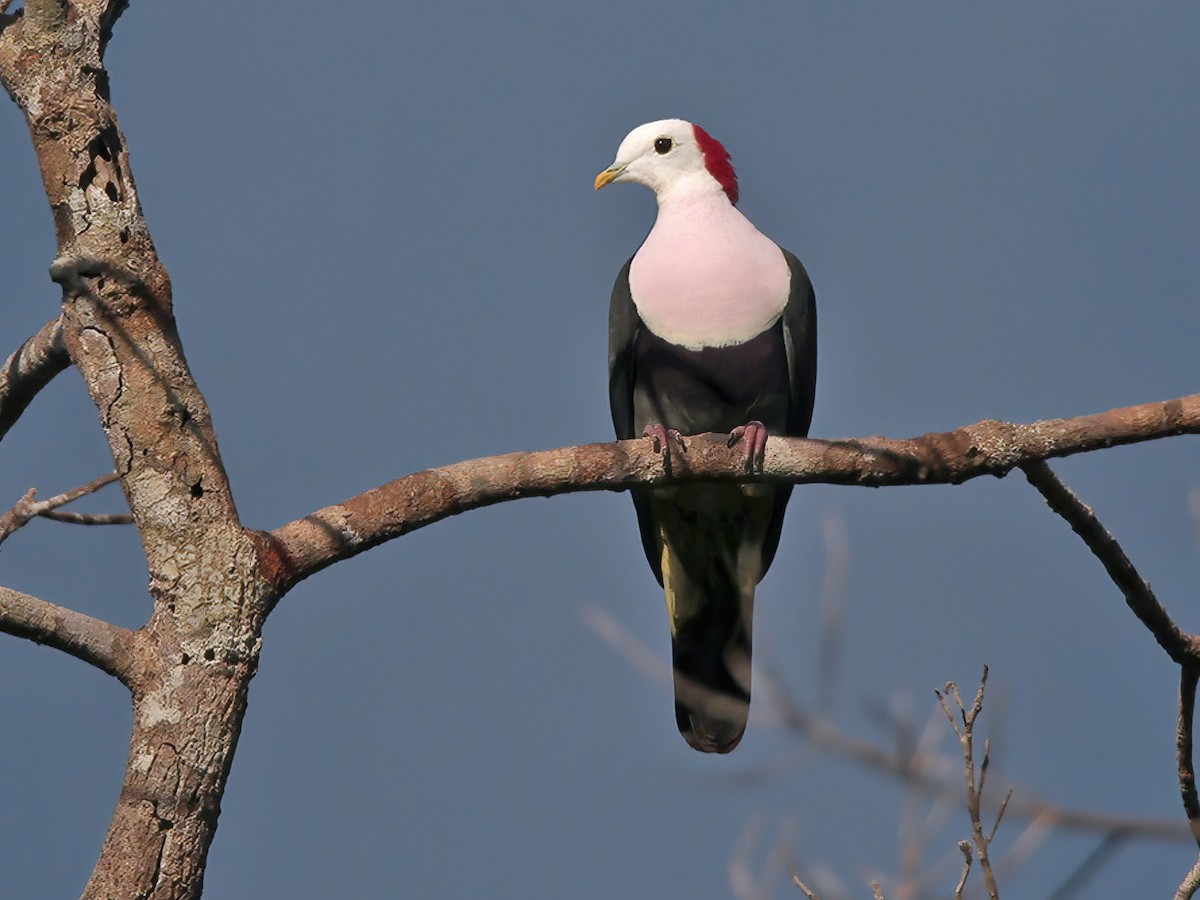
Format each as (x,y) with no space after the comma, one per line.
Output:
(663,145)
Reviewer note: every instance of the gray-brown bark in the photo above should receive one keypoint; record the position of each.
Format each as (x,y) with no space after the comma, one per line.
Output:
(30,368)
(194,659)
(212,581)
(985,448)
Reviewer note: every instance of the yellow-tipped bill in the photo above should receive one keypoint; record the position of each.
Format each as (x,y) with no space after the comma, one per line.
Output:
(608,175)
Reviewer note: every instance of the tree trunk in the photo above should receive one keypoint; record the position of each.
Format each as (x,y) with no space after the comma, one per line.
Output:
(186,725)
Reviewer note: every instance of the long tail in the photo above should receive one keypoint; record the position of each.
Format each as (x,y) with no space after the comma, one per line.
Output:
(711,562)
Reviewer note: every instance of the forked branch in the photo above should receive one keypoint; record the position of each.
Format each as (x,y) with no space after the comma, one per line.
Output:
(962,720)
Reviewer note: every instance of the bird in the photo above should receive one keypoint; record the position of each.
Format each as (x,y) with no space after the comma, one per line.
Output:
(712,328)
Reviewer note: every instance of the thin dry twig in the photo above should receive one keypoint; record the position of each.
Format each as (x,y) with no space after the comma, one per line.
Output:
(1180,645)
(74,518)
(966,739)
(28,507)
(1188,676)
(1000,813)
(965,848)
(808,892)
(1189,673)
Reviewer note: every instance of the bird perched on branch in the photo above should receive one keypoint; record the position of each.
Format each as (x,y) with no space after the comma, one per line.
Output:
(712,327)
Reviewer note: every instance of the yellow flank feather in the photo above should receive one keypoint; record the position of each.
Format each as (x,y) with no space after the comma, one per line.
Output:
(668,589)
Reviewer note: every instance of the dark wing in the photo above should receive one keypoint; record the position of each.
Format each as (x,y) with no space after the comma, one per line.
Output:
(800,339)
(623,326)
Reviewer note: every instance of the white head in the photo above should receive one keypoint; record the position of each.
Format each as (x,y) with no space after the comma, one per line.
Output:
(671,157)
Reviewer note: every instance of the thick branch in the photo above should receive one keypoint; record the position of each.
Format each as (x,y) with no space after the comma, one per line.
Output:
(989,447)
(28,370)
(1180,646)
(107,647)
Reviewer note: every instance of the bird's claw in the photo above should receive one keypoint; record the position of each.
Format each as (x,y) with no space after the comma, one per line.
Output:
(663,437)
(753,436)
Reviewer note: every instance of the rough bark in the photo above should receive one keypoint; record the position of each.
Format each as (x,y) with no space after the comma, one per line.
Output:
(30,368)
(200,648)
(989,447)
(213,582)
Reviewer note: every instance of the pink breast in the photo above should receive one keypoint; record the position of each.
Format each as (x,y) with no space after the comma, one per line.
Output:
(708,280)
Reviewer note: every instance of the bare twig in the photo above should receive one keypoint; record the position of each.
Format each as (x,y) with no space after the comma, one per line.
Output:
(1180,646)
(29,507)
(1189,673)
(105,646)
(808,892)
(74,518)
(966,739)
(1185,720)
(30,368)
(965,848)
(999,813)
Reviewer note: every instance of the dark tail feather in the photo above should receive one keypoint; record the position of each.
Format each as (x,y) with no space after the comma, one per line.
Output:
(712,691)
(710,643)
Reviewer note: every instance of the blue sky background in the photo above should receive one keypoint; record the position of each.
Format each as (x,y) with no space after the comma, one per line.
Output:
(387,255)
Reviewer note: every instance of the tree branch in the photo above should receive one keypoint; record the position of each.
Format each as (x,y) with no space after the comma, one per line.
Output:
(28,507)
(989,447)
(1188,676)
(1190,883)
(975,776)
(1180,645)
(74,518)
(105,646)
(30,368)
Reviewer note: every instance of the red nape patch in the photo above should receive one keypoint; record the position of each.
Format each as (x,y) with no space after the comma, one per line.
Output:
(716,160)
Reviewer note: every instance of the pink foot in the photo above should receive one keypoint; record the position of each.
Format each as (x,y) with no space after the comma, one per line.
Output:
(754,437)
(663,437)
